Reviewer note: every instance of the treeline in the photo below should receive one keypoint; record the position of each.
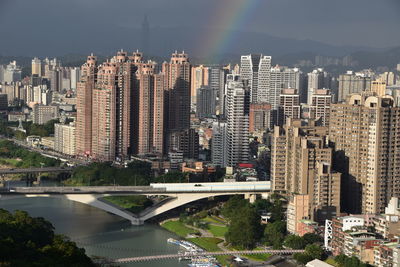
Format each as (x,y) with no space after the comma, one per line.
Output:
(136,173)
(46,129)
(8,150)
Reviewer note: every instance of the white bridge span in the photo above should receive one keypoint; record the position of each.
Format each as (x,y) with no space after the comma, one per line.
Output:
(178,194)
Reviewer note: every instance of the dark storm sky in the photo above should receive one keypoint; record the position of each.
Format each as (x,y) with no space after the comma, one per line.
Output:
(373,23)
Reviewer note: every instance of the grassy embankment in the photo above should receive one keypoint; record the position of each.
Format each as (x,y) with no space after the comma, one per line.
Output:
(134,204)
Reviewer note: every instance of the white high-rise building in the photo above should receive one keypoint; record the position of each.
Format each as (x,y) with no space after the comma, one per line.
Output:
(316,80)
(282,78)
(12,73)
(238,109)
(256,69)
(218,144)
(75,77)
(64,138)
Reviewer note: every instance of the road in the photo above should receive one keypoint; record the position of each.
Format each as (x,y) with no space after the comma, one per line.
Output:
(35,170)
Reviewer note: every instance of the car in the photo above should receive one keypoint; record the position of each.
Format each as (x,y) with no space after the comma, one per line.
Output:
(12,190)
(197,185)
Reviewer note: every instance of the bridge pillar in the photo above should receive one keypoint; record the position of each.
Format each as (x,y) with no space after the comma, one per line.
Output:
(251,197)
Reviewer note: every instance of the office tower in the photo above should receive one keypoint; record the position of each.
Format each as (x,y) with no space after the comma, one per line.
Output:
(256,69)
(317,79)
(146,36)
(178,82)
(365,133)
(289,106)
(75,78)
(36,67)
(301,164)
(84,105)
(206,100)
(320,106)
(351,82)
(378,87)
(65,138)
(217,78)
(55,78)
(148,129)
(238,109)
(12,73)
(42,114)
(3,102)
(282,78)
(218,144)
(200,77)
(259,117)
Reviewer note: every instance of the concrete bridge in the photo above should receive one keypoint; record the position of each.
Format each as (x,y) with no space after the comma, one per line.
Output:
(205,254)
(178,194)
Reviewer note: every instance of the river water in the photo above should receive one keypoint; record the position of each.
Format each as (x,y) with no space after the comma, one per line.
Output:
(100,233)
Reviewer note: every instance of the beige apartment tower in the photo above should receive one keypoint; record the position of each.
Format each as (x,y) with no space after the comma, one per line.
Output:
(301,163)
(366,134)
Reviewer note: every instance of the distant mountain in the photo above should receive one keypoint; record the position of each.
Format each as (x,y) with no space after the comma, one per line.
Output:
(105,40)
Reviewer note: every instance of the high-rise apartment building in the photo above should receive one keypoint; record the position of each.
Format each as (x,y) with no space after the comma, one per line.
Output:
(289,106)
(282,78)
(12,73)
(218,144)
(301,163)
(178,81)
(320,106)
(148,110)
(206,100)
(84,106)
(256,69)
(238,109)
(260,117)
(379,87)
(317,79)
(365,132)
(200,78)
(36,67)
(351,82)
(217,80)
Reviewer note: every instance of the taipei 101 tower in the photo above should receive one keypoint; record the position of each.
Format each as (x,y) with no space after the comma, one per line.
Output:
(145,37)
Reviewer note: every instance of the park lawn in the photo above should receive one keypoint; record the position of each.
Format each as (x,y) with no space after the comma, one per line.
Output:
(7,161)
(331,261)
(207,243)
(134,204)
(223,259)
(217,231)
(212,219)
(178,228)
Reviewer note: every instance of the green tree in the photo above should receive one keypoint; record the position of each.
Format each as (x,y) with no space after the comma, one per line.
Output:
(345,261)
(311,238)
(27,241)
(171,177)
(294,242)
(302,258)
(244,228)
(315,251)
(274,234)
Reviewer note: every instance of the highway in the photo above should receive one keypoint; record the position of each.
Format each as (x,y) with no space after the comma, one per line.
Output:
(200,188)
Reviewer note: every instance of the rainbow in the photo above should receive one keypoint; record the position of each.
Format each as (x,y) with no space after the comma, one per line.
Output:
(225,18)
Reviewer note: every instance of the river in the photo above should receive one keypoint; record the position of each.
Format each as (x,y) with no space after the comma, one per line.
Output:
(100,233)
